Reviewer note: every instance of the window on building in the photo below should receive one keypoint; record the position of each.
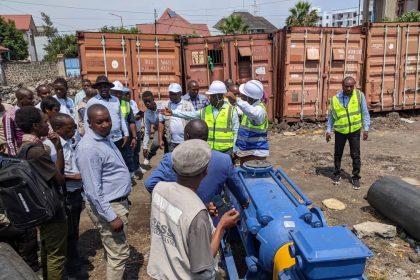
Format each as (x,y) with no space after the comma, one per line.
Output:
(354,22)
(327,17)
(216,56)
(354,14)
(326,25)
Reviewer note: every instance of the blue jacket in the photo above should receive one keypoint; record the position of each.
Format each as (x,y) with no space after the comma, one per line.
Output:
(220,172)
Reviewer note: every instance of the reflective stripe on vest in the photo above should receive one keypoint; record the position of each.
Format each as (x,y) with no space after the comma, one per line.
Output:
(253,137)
(125,108)
(347,120)
(220,130)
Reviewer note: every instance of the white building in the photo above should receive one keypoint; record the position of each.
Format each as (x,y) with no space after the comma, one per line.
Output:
(343,17)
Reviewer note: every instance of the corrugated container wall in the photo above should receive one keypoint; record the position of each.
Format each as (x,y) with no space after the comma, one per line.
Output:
(140,61)
(238,57)
(392,66)
(315,61)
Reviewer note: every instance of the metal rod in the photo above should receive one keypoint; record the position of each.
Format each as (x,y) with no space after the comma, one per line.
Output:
(104,52)
(206,46)
(345,54)
(319,76)
(124,62)
(417,71)
(306,200)
(157,65)
(396,74)
(252,58)
(302,97)
(138,64)
(405,64)
(383,68)
(330,62)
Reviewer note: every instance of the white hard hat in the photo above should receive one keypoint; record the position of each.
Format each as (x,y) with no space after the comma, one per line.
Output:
(174,87)
(118,86)
(217,87)
(253,89)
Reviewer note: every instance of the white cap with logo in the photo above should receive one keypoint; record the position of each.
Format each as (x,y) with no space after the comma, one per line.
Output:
(118,86)
(253,89)
(174,87)
(217,87)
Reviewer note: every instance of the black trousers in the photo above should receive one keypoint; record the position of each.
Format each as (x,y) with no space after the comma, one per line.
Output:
(74,208)
(340,143)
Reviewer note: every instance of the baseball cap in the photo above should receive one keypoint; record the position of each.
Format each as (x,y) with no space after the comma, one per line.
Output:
(217,87)
(174,87)
(253,89)
(191,157)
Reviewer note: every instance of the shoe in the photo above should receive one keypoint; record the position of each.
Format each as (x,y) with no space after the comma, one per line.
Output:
(356,184)
(146,161)
(336,179)
(141,170)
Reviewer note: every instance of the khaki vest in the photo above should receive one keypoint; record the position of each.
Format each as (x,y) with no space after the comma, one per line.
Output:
(173,209)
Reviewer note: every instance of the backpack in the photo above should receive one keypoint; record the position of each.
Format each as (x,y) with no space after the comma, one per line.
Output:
(27,199)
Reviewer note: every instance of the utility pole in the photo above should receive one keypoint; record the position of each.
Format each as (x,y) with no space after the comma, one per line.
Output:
(366,5)
(155,22)
(122,24)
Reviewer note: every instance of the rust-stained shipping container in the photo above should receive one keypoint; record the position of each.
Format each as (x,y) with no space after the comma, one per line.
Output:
(392,66)
(238,57)
(140,61)
(314,62)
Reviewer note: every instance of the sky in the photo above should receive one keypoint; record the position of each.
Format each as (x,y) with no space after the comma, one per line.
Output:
(90,15)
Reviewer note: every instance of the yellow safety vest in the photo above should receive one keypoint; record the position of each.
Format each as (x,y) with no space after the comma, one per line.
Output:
(125,108)
(347,120)
(220,129)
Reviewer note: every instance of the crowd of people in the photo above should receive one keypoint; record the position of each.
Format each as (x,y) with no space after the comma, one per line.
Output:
(89,150)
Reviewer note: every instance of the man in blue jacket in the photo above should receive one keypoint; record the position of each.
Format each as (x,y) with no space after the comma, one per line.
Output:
(220,170)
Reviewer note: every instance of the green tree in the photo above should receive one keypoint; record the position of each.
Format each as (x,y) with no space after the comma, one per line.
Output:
(61,44)
(58,44)
(113,29)
(410,16)
(302,15)
(233,24)
(13,39)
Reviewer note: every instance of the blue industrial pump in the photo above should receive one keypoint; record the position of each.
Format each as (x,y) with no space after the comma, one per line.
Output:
(280,237)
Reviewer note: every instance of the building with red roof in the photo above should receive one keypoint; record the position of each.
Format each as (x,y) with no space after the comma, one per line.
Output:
(172,23)
(26,24)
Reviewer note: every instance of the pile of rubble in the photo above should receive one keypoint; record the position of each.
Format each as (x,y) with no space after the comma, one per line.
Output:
(7,92)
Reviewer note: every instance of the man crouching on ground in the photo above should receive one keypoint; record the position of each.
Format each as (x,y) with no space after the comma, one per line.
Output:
(183,240)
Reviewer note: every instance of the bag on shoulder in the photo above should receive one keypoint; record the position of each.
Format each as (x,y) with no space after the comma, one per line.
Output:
(28,200)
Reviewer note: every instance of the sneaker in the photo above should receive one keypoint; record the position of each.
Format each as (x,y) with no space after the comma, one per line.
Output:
(146,161)
(336,179)
(356,184)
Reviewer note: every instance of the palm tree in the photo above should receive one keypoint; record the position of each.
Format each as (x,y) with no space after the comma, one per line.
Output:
(302,15)
(233,24)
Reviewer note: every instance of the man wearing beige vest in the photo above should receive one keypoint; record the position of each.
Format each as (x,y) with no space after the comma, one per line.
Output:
(184,242)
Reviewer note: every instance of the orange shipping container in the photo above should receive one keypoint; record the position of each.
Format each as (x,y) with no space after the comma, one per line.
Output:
(315,61)
(238,57)
(140,61)
(392,66)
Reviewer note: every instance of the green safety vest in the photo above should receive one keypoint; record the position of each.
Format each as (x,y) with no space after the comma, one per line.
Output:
(220,129)
(347,120)
(125,108)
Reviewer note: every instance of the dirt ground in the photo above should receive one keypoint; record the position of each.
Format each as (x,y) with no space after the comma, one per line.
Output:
(393,148)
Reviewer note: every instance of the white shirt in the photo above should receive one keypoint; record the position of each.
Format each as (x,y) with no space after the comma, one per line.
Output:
(70,167)
(176,124)
(256,115)
(67,106)
(135,109)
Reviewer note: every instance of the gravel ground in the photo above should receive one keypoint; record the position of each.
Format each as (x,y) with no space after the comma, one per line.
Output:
(392,149)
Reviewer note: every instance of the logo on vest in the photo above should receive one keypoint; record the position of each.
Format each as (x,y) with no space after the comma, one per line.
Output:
(164,232)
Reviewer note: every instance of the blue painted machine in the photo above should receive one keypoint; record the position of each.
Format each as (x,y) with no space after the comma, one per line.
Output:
(281,238)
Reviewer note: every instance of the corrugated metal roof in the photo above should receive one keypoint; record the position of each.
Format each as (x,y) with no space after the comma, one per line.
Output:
(22,22)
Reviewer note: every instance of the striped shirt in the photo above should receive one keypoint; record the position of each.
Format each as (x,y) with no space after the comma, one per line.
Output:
(199,102)
(12,134)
